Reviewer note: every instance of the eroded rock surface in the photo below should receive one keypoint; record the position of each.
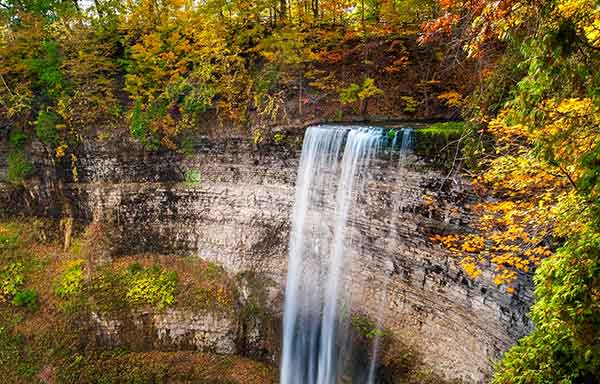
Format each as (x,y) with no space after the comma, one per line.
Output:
(236,211)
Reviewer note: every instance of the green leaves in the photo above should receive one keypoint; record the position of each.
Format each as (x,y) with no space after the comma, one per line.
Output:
(45,128)
(355,92)
(46,68)
(27,298)
(565,345)
(11,279)
(349,94)
(152,286)
(19,167)
(70,283)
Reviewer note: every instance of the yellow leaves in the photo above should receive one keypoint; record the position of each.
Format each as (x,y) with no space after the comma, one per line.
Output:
(429,201)
(451,98)
(505,132)
(592,32)
(505,276)
(569,8)
(580,107)
(60,150)
(469,265)
(74,171)
(473,243)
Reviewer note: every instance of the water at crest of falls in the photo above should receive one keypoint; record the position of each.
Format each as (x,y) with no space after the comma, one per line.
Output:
(333,170)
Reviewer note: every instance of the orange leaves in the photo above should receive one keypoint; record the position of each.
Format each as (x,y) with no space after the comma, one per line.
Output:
(473,243)
(443,25)
(449,241)
(397,65)
(509,237)
(333,57)
(505,276)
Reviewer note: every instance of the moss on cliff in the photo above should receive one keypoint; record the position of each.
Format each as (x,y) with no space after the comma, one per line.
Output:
(54,341)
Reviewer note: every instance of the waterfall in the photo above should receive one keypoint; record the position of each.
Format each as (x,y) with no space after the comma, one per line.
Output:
(408,140)
(317,296)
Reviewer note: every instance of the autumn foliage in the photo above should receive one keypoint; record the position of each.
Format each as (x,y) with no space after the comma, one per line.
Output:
(536,118)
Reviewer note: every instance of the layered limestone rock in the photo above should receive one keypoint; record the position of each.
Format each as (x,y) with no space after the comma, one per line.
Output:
(171,329)
(235,209)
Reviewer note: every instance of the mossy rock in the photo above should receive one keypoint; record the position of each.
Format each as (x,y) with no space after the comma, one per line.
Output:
(438,142)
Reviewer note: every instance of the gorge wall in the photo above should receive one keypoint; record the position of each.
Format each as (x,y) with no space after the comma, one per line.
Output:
(230,200)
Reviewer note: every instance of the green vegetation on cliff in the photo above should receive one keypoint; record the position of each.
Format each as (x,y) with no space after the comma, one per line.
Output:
(49,299)
(536,137)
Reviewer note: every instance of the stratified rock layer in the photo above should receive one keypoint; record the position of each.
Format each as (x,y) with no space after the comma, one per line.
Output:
(237,213)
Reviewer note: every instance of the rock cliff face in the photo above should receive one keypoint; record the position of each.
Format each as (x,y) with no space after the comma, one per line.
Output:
(235,209)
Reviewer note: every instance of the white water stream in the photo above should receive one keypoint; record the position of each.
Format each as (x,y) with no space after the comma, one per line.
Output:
(333,170)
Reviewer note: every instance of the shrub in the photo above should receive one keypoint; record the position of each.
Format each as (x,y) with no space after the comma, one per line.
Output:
(17,139)
(45,128)
(192,177)
(410,104)
(8,240)
(355,92)
(278,138)
(70,282)
(11,280)
(27,298)
(366,327)
(19,167)
(349,94)
(152,286)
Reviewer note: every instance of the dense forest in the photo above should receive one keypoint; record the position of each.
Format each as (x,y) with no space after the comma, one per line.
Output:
(524,76)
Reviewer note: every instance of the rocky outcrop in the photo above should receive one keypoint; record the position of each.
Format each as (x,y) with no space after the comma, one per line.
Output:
(230,202)
(171,329)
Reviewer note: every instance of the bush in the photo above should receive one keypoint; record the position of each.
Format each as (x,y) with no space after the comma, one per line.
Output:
(192,177)
(151,286)
(11,280)
(19,167)
(278,138)
(27,298)
(70,283)
(349,94)
(18,139)
(45,128)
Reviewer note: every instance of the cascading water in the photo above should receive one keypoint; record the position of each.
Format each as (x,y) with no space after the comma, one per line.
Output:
(408,140)
(406,147)
(315,323)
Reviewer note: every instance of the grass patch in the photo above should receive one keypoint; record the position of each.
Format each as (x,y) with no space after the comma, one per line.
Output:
(153,285)
(207,286)
(446,129)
